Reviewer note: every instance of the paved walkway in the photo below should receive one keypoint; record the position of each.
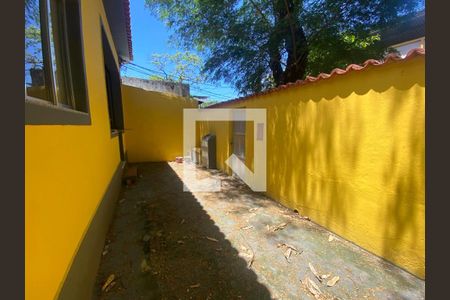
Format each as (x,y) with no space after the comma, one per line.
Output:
(235,244)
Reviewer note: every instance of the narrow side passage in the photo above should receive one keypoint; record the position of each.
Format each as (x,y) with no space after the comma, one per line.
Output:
(168,244)
(186,255)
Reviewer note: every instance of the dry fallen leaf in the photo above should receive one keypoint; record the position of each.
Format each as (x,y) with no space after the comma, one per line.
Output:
(248,255)
(313,270)
(277,227)
(247,227)
(287,254)
(144,266)
(312,287)
(250,262)
(333,281)
(211,239)
(108,281)
(110,286)
(289,249)
(288,246)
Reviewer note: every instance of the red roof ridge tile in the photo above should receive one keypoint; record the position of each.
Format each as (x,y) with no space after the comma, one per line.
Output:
(392,57)
(126,6)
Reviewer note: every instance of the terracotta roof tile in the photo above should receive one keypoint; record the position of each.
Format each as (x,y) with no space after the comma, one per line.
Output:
(323,76)
(126,5)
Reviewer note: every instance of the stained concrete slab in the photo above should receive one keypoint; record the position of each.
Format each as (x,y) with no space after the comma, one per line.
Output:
(223,245)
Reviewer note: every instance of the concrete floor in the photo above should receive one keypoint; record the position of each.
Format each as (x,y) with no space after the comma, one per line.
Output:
(168,244)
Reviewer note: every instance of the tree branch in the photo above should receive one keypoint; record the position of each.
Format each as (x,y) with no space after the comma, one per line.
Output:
(260,12)
(288,15)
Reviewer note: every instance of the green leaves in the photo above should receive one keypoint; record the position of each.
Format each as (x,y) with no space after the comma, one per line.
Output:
(349,38)
(361,43)
(33,50)
(258,44)
(180,66)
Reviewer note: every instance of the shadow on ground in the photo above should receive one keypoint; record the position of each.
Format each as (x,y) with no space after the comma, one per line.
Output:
(234,244)
(164,245)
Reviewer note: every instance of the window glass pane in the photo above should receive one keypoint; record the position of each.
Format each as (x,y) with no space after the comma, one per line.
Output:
(35,82)
(57,48)
(75,60)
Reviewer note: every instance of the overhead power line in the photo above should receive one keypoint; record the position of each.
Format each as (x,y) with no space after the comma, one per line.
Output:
(162,73)
(221,96)
(149,72)
(212,93)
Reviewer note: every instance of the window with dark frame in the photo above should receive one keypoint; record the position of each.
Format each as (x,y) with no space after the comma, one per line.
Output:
(54,65)
(109,95)
(113,89)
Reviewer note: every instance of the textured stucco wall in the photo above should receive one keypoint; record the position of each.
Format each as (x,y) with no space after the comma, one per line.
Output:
(349,152)
(67,171)
(178,89)
(153,124)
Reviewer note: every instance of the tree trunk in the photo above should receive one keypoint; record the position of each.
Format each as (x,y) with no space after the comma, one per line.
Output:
(275,59)
(296,61)
(288,33)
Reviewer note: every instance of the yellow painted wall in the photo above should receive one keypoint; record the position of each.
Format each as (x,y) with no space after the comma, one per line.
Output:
(349,152)
(153,124)
(67,170)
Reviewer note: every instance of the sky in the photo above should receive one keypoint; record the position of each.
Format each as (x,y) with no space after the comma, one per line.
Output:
(151,36)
